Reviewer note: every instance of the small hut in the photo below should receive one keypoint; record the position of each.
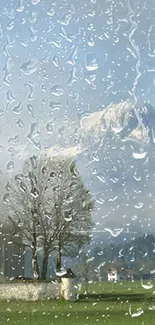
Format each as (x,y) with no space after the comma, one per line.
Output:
(67,285)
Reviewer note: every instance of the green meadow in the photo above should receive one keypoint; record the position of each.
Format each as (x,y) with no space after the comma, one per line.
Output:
(106,303)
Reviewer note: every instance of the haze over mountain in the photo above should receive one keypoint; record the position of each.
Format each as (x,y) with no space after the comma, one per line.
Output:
(114,149)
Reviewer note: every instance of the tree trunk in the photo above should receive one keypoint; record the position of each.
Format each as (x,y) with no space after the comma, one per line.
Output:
(58,258)
(44,265)
(35,266)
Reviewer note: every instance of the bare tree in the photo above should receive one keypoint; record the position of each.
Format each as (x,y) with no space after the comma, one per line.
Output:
(48,203)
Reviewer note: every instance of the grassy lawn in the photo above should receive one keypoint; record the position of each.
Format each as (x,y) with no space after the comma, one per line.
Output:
(106,303)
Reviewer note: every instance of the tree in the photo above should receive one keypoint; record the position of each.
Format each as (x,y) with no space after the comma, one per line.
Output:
(48,204)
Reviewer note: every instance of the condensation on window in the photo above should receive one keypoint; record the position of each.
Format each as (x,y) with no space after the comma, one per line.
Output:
(77,136)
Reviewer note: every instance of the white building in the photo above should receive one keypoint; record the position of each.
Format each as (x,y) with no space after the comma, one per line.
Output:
(114,275)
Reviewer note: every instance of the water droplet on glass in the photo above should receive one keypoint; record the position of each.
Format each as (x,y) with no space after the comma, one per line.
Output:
(90,78)
(116,130)
(72,56)
(8,71)
(137,314)
(10,26)
(14,140)
(20,123)
(61,273)
(139,205)
(10,166)
(65,19)
(35,193)
(30,95)
(55,106)
(1,31)
(91,62)
(101,177)
(23,187)
(139,155)
(90,40)
(51,12)
(8,186)
(35,2)
(20,7)
(33,134)
(72,76)
(56,61)
(57,90)
(146,286)
(49,127)
(6,198)
(18,108)
(29,67)
(115,232)
(30,109)
(9,96)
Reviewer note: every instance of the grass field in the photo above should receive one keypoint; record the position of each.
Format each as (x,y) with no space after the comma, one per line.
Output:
(106,304)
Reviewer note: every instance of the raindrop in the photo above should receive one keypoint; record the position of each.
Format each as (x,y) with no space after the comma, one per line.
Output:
(115,232)
(61,273)
(117,130)
(1,32)
(20,123)
(138,313)
(30,109)
(35,2)
(57,90)
(152,308)
(7,71)
(33,17)
(101,177)
(33,34)
(35,192)
(90,78)
(30,95)
(10,26)
(6,198)
(1,148)
(55,105)
(10,15)
(49,128)
(18,108)
(8,186)
(68,219)
(73,170)
(33,161)
(72,76)
(24,42)
(51,12)
(20,7)
(23,187)
(90,40)
(10,166)
(56,61)
(72,56)
(9,96)
(139,155)
(65,19)
(34,132)
(1,112)
(139,205)
(29,67)
(146,286)
(13,140)
(91,62)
